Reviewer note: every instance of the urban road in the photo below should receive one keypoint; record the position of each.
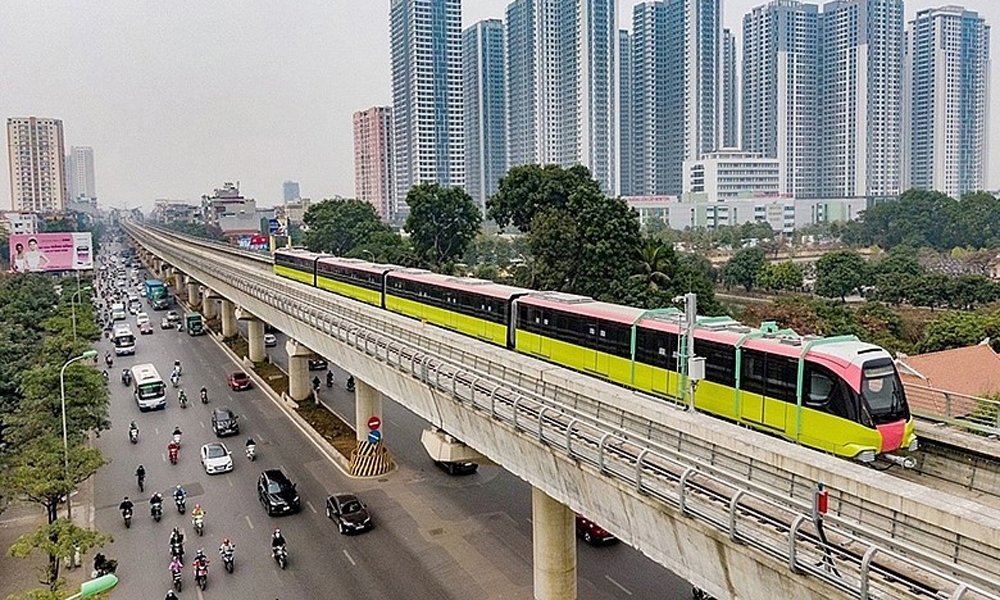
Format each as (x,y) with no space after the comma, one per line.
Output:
(435,536)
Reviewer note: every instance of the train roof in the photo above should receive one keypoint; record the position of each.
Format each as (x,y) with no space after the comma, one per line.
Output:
(301,252)
(465,284)
(358,264)
(583,305)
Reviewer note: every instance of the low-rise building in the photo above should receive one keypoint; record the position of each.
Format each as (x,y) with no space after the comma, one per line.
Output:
(16,222)
(729,174)
(175,211)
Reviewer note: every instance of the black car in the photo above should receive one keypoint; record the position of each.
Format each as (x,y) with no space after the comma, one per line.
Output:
(224,422)
(457,468)
(317,364)
(349,513)
(277,493)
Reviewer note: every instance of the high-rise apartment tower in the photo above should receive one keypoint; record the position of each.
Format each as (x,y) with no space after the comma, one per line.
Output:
(373,160)
(37,161)
(485,109)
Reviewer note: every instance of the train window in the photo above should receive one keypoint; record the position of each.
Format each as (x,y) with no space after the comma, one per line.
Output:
(827,392)
(781,378)
(720,361)
(752,371)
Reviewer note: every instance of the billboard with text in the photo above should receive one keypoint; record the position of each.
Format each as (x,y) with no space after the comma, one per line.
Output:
(41,252)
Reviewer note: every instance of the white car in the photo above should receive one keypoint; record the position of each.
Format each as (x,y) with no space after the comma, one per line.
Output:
(141,318)
(216,458)
(270,341)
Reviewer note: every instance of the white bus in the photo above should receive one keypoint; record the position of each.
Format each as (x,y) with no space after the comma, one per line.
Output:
(148,388)
(123,339)
(117,312)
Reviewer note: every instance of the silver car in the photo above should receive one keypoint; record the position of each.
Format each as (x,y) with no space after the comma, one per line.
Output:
(216,458)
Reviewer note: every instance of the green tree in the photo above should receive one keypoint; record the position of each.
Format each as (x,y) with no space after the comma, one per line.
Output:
(918,218)
(955,330)
(743,267)
(40,410)
(783,276)
(656,263)
(338,226)
(840,273)
(529,190)
(35,470)
(59,539)
(442,222)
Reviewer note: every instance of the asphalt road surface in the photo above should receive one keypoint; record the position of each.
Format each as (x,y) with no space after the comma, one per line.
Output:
(435,536)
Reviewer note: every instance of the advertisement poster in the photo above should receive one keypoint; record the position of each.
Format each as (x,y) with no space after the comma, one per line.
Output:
(48,252)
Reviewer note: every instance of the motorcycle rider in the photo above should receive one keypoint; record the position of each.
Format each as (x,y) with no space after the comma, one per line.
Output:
(177,435)
(329,379)
(179,494)
(277,541)
(199,560)
(177,367)
(177,537)
(198,512)
(316,383)
(175,566)
(109,360)
(251,447)
(156,500)
(126,506)
(350,383)
(133,430)
(171,595)
(182,397)
(227,547)
(140,475)
(126,377)
(204,394)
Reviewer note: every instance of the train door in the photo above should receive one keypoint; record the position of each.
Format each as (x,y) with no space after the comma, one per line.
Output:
(752,386)
(597,337)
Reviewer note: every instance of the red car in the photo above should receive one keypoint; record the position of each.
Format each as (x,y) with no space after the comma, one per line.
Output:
(239,381)
(146,328)
(592,533)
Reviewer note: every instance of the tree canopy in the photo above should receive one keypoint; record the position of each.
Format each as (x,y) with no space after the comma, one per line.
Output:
(840,273)
(442,222)
(743,267)
(339,226)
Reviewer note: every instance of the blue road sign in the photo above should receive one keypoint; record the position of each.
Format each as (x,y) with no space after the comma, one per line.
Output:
(273,226)
(374,436)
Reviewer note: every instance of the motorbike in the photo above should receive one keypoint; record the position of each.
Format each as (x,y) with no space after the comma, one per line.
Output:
(198,521)
(178,583)
(104,566)
(329,380)
(204,397)
(172,451)
(177,439)
(181,503)
(350,383)
(281,556)
(109,361)
(251,451)
(174,379)
(201,575)
(142,482)
(228,560)
(183,400)
(133,435)
(177,550)
(126,378)
(127,516)
(156,511)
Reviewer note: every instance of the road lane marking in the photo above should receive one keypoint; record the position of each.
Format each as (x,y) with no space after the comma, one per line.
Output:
(618,585)
(349,557)
(249,522)
(202,423)
(156,430)
(200,597)
(311,507)
(230,480)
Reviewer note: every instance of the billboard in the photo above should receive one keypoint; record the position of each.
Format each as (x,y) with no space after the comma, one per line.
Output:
(69,251)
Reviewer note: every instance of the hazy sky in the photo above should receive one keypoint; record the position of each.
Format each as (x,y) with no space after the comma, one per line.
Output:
(178,96)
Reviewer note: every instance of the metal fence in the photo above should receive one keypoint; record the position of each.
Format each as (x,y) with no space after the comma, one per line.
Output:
(973,413)
(854,559)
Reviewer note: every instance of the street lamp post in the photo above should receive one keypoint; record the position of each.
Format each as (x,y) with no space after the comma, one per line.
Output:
(62,393)
(72,302)
(96,586)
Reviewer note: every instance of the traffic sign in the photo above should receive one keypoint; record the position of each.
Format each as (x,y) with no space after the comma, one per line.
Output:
(374,423)
(273,226)
(374,436)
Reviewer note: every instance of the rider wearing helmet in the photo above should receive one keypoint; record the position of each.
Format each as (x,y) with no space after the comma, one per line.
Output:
(277,541)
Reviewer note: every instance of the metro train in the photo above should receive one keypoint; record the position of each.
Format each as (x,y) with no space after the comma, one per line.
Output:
(838,395)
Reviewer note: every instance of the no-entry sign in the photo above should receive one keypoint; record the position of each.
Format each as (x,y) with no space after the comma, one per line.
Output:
(374,423)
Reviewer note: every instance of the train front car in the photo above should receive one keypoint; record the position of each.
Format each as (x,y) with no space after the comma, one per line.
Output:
(873,385)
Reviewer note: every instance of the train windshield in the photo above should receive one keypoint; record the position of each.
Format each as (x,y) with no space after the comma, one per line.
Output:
(883,392)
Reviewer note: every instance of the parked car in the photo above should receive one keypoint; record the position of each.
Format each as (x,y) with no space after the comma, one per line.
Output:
(457,468)
(277,493)
(165,323)
(146,328)
(270,340)
(239,381)
(349,513)
(224,422)
(592,533)
(317,364)
(216,458)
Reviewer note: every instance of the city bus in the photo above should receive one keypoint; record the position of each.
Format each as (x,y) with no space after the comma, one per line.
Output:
(123,339)
(148,388)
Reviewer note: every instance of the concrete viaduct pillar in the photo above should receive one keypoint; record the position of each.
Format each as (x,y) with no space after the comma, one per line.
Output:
(255,334)
(228,319)
(192,293)
(554,539)
(370,457)
(208,304)
(298,370)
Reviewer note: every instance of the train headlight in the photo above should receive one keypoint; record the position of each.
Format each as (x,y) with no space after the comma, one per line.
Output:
(914,445)
(866,456)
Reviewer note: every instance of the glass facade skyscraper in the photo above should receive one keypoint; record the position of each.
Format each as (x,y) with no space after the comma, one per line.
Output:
(946,101)
(485,109)
(730,92)
(428,131)
(625,160)
(561,85)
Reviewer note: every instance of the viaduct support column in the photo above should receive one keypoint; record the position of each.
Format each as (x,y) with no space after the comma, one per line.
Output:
(255,337)
(228,319)
(298,370)
(370,457)
(553,535)
(192,293)
(208,305)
